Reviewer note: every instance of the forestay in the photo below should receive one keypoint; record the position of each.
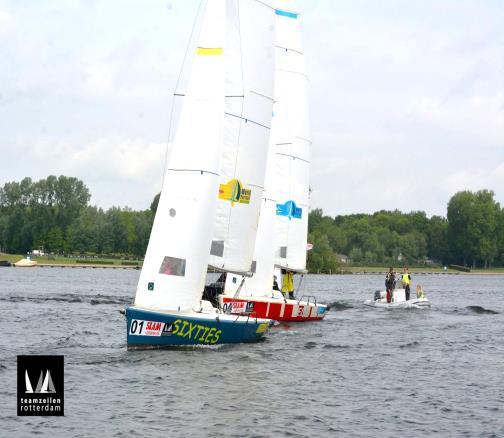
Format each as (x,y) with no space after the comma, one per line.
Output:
(175,265)
(249,55)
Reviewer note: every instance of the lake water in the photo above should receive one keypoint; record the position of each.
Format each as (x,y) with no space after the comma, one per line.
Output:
(360,372)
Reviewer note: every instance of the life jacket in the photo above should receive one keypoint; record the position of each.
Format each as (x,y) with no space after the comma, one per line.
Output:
(288,282)
(390,278)
(406,279)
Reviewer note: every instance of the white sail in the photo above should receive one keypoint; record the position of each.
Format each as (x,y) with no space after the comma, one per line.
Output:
(261,283)
(28,385)
(292,141)
(249,54)
(286,183)
(175,265)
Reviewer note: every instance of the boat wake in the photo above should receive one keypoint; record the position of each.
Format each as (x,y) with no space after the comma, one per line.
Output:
(481,310)
(69,298)
(339,305)
(410,345)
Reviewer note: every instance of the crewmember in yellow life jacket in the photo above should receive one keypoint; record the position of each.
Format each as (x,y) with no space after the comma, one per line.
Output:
(288,284)
(406,281)
(420,292)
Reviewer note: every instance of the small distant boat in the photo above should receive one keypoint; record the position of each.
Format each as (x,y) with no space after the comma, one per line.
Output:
(25,263)
(398,301)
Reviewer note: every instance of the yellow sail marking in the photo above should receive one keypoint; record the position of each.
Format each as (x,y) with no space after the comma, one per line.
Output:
(209,51)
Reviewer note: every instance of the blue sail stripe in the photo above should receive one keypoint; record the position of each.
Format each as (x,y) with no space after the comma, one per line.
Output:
(286,14)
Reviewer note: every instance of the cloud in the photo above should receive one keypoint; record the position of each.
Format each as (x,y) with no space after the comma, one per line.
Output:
(133,160)
(106,158)
(100,78)
(7,23)
(476,116)
(118,171)
(475,179)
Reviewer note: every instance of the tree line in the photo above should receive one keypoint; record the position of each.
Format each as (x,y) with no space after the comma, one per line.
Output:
(472,234)
(54,214)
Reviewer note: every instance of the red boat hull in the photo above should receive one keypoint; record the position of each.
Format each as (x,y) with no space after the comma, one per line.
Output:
(273,308)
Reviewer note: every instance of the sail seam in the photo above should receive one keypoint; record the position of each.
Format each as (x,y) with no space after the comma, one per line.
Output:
(262,95)
(247,120)
(193,170)
(255,185)
(226,96)
(292,71)
(290,50)
(293,156)
(304,139)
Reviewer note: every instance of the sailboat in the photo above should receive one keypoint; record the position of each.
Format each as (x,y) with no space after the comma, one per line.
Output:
(281,241)
(214,177)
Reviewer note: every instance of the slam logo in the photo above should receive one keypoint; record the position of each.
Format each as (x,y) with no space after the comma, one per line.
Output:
(290,210)
(40,385)
(234,191)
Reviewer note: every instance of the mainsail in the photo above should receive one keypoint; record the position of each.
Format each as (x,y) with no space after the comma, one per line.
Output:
(175,265)
(283,223)
(249,55)
(292,142)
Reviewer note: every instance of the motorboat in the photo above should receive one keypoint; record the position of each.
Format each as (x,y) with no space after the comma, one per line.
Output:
(25,263)
(398,300)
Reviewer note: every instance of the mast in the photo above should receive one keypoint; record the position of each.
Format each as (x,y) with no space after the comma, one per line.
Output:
(248,107)
(175,265)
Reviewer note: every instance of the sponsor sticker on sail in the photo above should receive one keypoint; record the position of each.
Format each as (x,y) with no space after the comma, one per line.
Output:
(289,210)
(235,192)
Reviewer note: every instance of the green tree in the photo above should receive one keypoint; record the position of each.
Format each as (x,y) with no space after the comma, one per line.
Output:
(472,227)
(438,248)
(321,258)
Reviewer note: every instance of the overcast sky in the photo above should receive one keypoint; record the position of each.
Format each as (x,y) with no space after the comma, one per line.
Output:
(407,97)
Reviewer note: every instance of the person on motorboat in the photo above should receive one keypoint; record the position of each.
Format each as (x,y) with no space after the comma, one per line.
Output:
(288,284)
(406,281)
(420,292)
(390,283)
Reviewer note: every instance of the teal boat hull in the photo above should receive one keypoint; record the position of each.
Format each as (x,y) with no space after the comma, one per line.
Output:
(152,329)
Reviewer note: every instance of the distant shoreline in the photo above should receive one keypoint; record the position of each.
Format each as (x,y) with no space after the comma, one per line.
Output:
(349,271)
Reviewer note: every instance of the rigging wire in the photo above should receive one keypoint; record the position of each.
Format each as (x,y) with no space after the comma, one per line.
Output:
(177,84)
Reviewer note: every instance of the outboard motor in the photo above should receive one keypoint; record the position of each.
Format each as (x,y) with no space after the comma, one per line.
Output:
(377,295)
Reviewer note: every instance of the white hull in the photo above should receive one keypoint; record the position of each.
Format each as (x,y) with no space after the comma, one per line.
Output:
(414,303)
(25,263)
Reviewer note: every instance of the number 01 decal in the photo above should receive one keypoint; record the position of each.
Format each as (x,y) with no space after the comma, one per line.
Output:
(145,328)
(136,327)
